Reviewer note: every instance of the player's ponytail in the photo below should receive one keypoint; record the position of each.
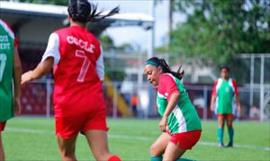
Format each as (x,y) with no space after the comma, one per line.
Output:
(84,11)
(96,16)
(165,67)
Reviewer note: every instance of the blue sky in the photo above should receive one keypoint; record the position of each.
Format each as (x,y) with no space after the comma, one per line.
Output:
(138,35)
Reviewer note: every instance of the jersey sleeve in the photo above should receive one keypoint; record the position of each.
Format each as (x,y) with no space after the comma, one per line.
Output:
(52,49)
(100,65)
(167,85)
(235,88)
(214,88)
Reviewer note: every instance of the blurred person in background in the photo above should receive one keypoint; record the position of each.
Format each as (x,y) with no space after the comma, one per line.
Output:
(224,93)
(76,56)
(134,104)
(10,78)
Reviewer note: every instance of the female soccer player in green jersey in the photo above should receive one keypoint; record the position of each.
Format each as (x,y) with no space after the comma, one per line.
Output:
(224,93)
(10,75)
(180,124)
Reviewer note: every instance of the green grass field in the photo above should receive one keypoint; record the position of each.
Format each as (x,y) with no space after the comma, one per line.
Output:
(34,139)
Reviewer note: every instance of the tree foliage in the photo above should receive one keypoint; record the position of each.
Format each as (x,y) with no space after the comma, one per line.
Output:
(219,29)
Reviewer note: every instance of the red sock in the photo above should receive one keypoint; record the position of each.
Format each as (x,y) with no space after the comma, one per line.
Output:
(114,158)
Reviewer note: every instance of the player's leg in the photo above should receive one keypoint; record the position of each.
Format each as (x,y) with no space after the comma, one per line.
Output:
(229,121)
(67,129)
(95,130)
(2,153)
(182,142)
(159,146)
(98,142)
(67,148)
(220,130)
(172,152)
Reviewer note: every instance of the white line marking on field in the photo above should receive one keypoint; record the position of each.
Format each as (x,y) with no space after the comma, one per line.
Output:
(254,147)
(141,138)
(31,131)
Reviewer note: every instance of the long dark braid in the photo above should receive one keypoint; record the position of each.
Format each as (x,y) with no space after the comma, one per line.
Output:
(165,67)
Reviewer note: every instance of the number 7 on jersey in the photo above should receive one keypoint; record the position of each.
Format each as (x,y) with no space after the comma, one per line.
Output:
(3,59)
(86,63)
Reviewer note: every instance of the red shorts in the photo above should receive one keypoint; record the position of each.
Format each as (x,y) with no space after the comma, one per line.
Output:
(186,140)
(69,126)
(225,116)
(2,126)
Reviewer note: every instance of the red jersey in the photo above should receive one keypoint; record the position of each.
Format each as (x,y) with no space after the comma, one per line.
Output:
(77,75)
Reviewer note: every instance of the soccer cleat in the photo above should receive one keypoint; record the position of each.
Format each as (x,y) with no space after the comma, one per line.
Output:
(230,145)
(221,145)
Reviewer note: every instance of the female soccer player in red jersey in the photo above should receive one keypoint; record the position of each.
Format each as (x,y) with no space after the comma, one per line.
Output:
(75,55)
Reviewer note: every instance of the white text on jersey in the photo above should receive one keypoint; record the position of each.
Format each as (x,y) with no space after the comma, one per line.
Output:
(81,43)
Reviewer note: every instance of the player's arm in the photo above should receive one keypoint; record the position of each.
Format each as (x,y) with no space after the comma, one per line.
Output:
(213,100)
(100,65)
(213,97)
(17,72)
(49,59)
(172,102)
(43,68)
(237,98)
(238,104)
(169,86)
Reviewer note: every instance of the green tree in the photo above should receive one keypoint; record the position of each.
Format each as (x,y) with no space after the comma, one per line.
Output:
(112,69)
(220,29)
(107,42)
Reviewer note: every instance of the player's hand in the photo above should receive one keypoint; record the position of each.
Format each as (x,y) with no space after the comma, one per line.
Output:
(167,128)
(239,110)
(163,124)
(26,77)
(212,108)
(17,106)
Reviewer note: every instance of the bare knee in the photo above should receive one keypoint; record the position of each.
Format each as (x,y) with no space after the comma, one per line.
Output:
(229,123)
(155,150)
(67,155)
(172,152)
(220,123)
(69,158)
(67,148)
(102,155)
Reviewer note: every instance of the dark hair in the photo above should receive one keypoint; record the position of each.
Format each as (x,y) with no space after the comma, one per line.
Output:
(84,11)
(155,61)
(224,67)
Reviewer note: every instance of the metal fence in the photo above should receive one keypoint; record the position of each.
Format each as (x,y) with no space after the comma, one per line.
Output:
(37,100)
(126,72)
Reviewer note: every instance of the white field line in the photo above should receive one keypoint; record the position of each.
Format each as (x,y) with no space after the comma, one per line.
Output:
(140,138)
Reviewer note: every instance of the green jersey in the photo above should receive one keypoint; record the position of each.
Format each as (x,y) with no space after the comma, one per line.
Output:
(184,117)
(225,91)
(6,71)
